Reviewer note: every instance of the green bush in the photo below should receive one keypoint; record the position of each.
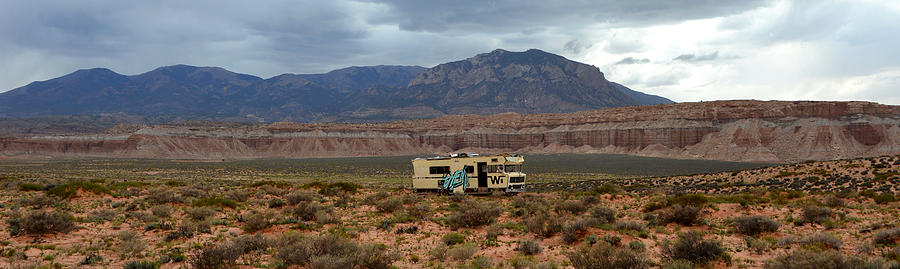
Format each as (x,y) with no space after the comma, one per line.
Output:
(884,198)
(462,252)
(30,187)
(199,213)
(608,188)
(753,225)
(602,255)
(822,241)
(691,246)
(453,239)
(69,189)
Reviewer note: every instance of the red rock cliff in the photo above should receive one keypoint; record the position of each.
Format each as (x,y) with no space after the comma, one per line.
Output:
(773,131)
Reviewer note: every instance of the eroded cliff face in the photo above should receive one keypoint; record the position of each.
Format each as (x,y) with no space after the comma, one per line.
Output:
(771,131)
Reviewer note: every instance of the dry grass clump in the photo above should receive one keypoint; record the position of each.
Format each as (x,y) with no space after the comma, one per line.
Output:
(754,225)
(130,244)
(602,255)
(199,213)
(686,215)
(822,241)
(256,221)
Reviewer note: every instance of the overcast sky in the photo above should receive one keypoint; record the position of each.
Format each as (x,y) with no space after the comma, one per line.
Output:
(686,50)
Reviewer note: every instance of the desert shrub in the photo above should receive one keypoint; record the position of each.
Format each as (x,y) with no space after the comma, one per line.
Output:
(91,259)
(30,187)
(816,214)
(162,196)
(418,211)
(822,241)
(41,222)
(829,259)
(528,204)
(493,231)
(572,229)
(250,243)
(543,224)
(438,253)
(833,201)
(306,211)
(199,213)
(602,255)
(214,202)
(141,265)
(637,246)
(575,207)
(295,249)
(473,214)
(275,203)
(256,221)
(69,189)
(301,196)
(753,225)
(339,188)
(691,246)
(887,236)
(529,247)
(162,211)
(589,200)
(238,195)
(679,264)
(462,252)
(375,197)
(37,201)
(453,239)
(627,225)
(682,214)
(608,188)
(214,256)
(101,215)
(389,205)
(603,214)
(758,246)
(271,183)
(130,244)
(481,262)
(884,198)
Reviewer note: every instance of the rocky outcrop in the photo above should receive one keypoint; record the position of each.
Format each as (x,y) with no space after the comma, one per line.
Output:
(772,131)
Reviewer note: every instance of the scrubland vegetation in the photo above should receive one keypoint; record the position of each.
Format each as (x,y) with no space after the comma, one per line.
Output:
(160,214)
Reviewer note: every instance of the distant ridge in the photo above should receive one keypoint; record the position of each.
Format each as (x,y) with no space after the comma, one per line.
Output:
(500,81)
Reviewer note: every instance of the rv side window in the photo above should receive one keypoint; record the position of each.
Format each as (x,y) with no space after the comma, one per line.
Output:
(470,169)
(439,170)
(495,168)
(514,168)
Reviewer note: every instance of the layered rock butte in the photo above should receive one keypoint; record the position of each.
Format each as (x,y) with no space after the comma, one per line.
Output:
(766,131)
